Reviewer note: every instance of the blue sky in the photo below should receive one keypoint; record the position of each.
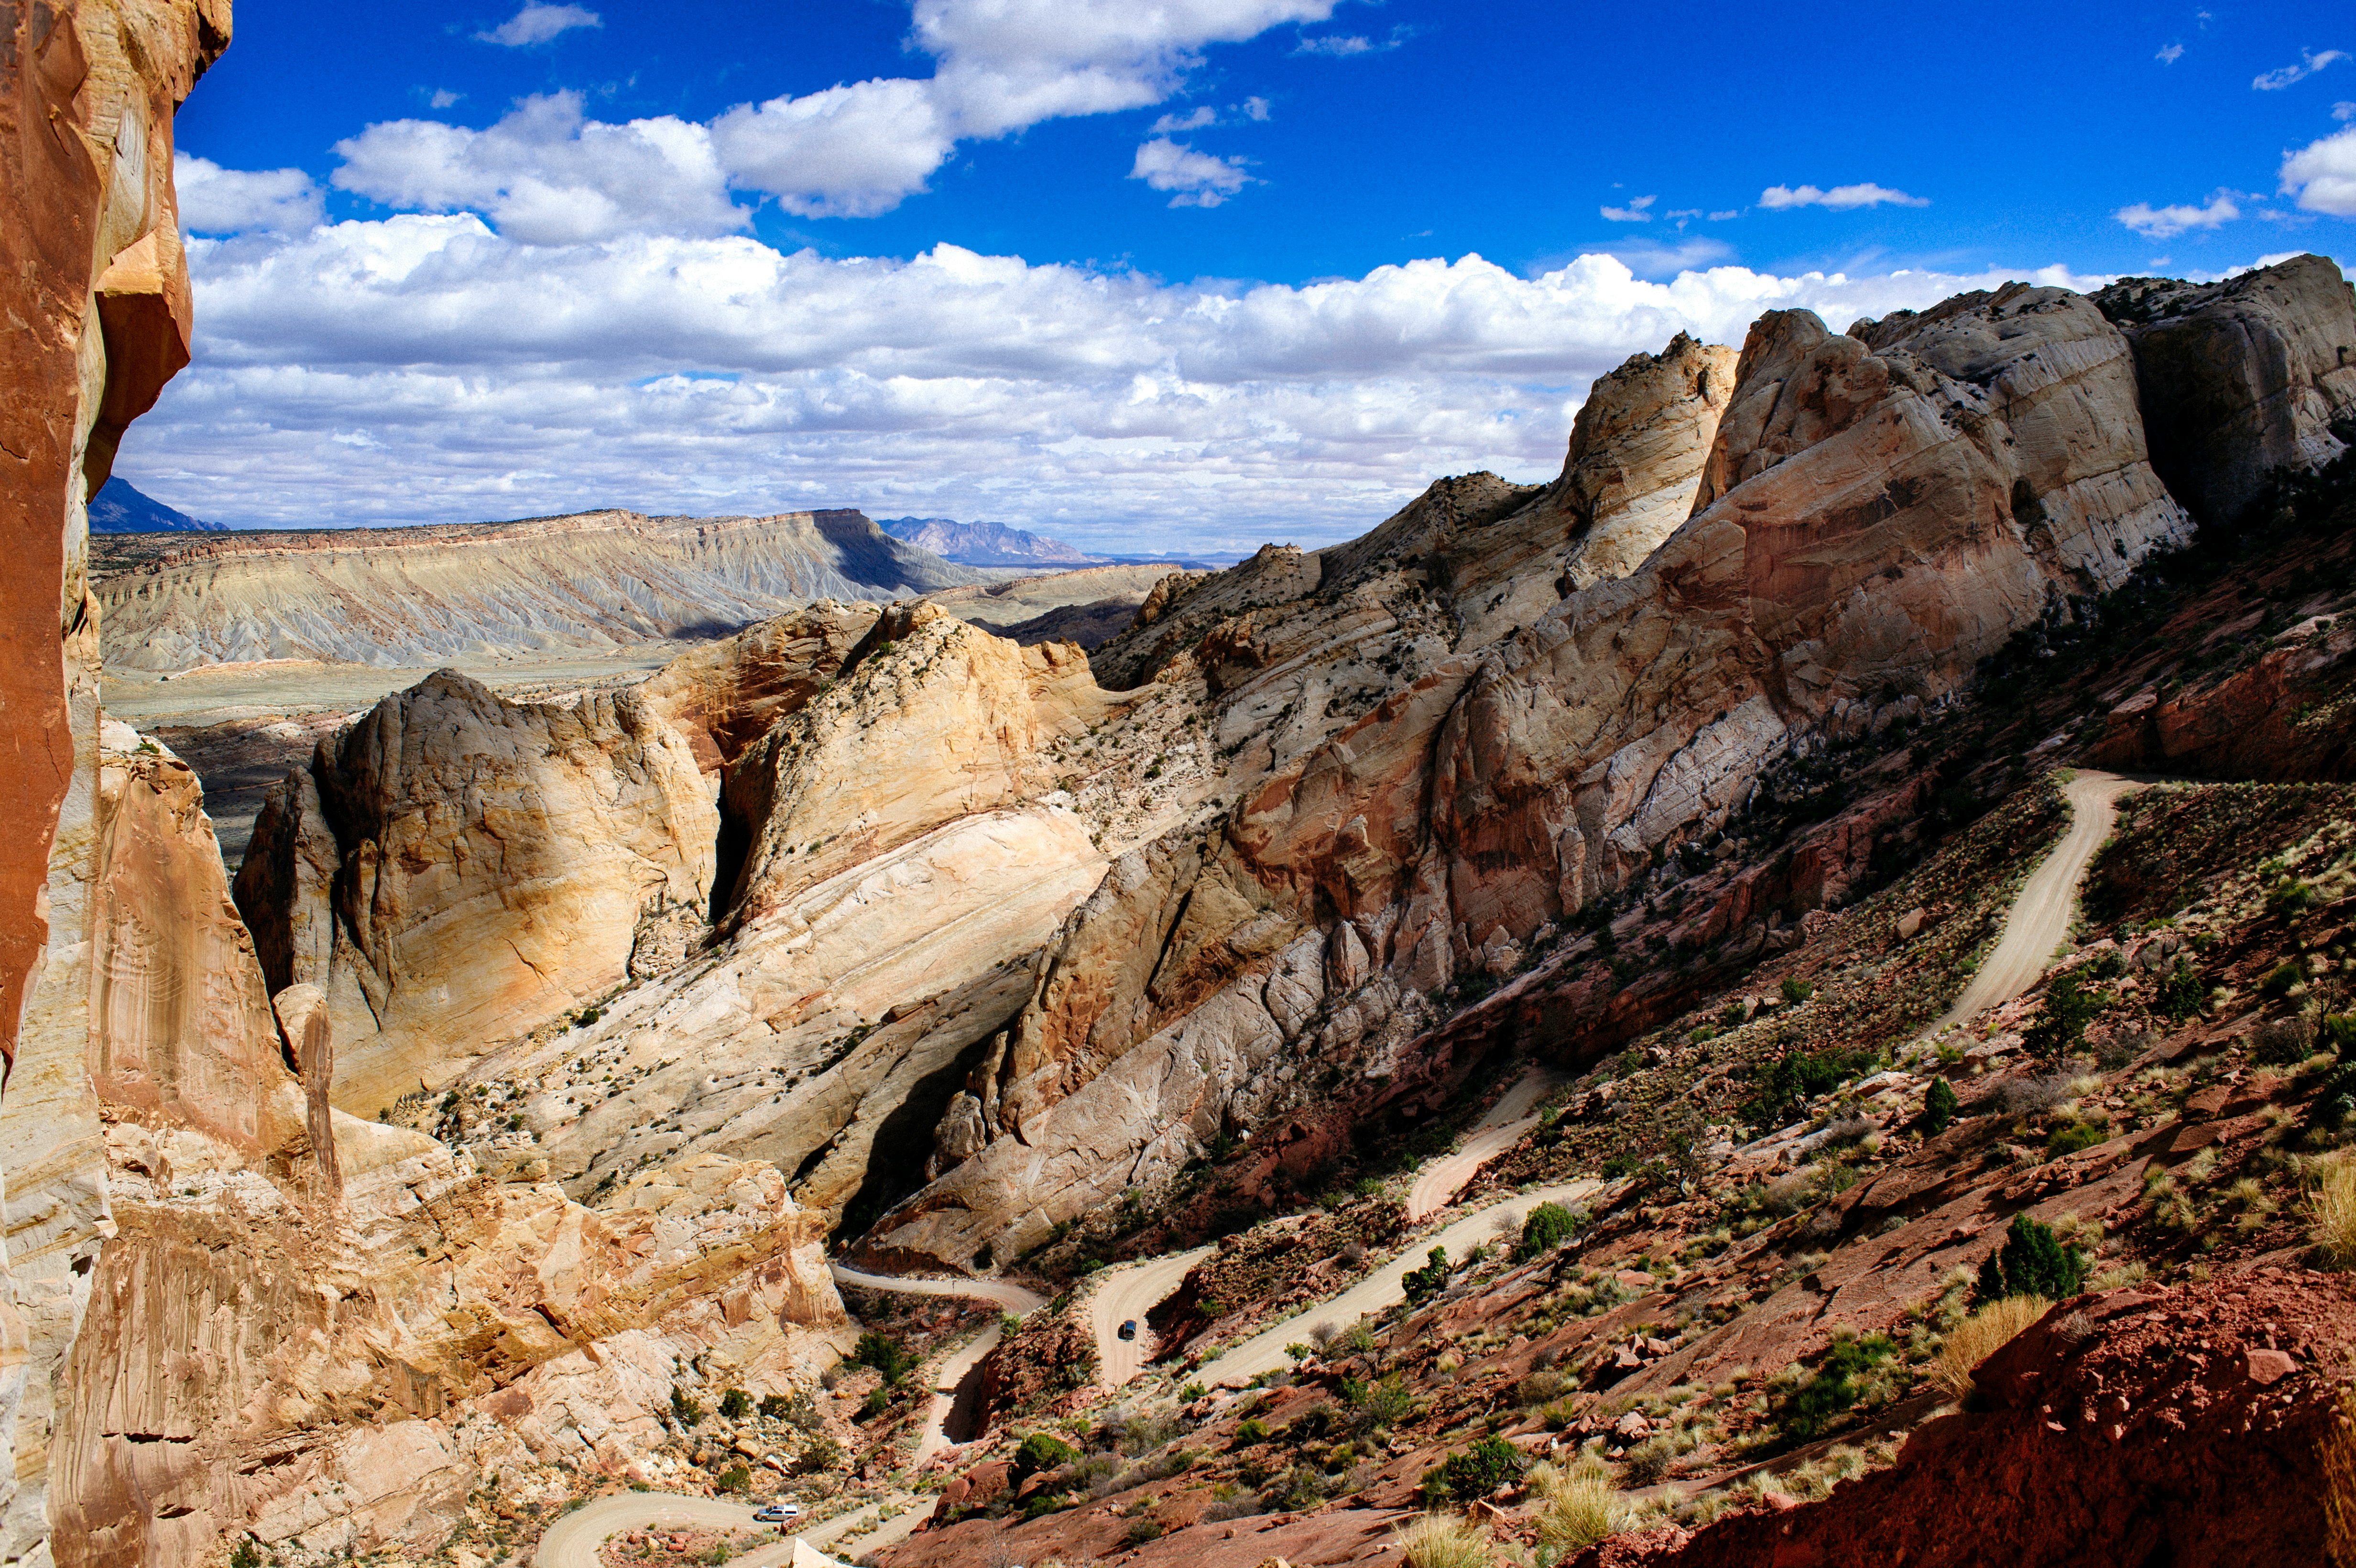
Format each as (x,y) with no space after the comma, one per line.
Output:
(1186,276)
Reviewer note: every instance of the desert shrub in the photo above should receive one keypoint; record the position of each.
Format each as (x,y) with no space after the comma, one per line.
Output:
(734,1478)
(1040,1451)
(2075,1136)
(2032,1262)
(1791,1080)
(1938,1106)
(1251,1429)
(246,1555)
(1142,1529)
(1647,1463)
(1545,1228)
(683,1406)
(1802,1414)
(2277,1042)
(735,1404)
(774,1406)
(1430,1279)
(1980,1336)
(2280,979)
(1440,1541)
(1795,990)
(885,1355)
(1355,1340)
(2331,1210)
(2025,1096)
(1578,1506)
(1539,1388)
(2181,993)
(2060,1025)
(1475,1473)
(1380,1404)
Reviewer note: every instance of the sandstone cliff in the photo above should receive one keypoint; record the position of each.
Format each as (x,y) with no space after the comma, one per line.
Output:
(2241,378)
(593,581)
(97,299)
(458,869)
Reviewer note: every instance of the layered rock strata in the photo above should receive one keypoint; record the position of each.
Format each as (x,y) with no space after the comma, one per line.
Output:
(592,582)
(493,865)
(96,295)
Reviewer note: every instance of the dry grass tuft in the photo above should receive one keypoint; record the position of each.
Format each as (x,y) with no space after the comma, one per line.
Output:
(1443,1540)
(2332,1206)
(1980,1336)
(1577,1507)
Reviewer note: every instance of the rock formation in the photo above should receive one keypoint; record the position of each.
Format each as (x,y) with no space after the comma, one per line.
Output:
(2241,378)
(97,299)
(457,869)
(594,582)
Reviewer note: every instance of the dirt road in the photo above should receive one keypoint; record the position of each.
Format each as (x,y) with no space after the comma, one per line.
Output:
(1012,1297)
(1127,1296)
(2040,920)
(1264,1350)
(1437,1185)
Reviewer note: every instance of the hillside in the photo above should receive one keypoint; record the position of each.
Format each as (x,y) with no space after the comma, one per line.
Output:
(594,581)
(1542,979)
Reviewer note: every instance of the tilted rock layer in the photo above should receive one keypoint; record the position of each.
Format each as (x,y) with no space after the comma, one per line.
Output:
(593,581)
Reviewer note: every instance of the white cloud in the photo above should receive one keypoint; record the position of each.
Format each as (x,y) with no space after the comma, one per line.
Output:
(2343,111)
(1633,213)
(852,150)
(1202,116)
(545,176)
(2167,222)
(215,200)
(1340,46)
(1200,179)
(1840,199)
(1723,215)
(539,23)
(718,374)
(2309,62)
(2322,175)
(2169,54)
(847,152)
(1257,109)
(443,98)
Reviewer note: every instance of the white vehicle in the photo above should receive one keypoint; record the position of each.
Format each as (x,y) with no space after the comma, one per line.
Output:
(777,1513)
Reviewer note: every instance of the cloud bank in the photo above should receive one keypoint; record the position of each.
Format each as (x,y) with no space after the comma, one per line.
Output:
(427,368)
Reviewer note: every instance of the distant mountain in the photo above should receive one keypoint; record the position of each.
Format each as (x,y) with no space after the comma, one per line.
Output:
(984,544)
(117,509)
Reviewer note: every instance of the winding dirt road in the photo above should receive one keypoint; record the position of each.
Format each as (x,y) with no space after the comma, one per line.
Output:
(1127,1296)
(2039,919)
(1437,1185)
(1264,1351)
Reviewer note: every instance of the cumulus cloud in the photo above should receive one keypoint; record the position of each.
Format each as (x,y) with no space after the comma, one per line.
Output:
(2167,222)
(852,150)
(2322,175)
(547,176)
(1840,199)
(848,151)
(215,200)
(539,23)
(719,374)
(1200,179)
(2309,62)
(2169,54)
